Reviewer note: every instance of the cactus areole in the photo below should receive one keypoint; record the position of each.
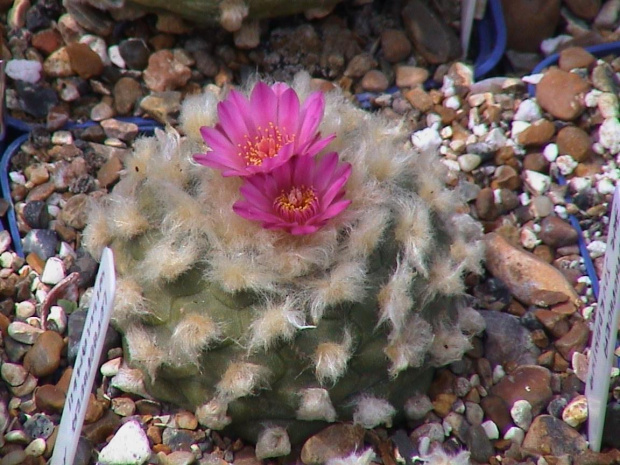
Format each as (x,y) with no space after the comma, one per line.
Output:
(287,260)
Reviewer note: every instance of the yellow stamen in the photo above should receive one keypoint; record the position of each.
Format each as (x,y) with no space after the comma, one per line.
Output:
(265,144)
(299,203)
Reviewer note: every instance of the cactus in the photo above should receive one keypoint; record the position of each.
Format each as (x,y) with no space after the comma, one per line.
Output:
(268,332)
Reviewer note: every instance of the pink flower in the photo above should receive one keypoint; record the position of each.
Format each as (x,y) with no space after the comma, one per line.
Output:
(300,196)
(261,134)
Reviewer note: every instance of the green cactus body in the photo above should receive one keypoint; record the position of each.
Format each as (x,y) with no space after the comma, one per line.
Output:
(257,328)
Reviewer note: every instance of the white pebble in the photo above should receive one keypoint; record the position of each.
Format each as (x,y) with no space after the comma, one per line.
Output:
(521,413)
(560,210)
(496,139)
(597,248)
(579,184)
(532,78)
(591,98)
(446,132)
(129,446)
(608,105)
(57,319)
(551,152)
(605,186)
(518,127)
(537,183)
(7,259)
(66,250)
(115,56)
(528,238)
(17,177)
(111,367)
(566,164)
(498,373)
(480,130)
(469,162)
(36,448)
(529,111)
(426,139)
(524,198)
(491,430)
(609,135)
(515,434)
(24,70)
(433,120)
(23,332)
(25,309)
(452,102)
(452,165)
(552,45)
(62,138)
(53,272)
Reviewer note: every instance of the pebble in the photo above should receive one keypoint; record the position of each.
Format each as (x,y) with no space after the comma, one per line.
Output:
(561,94)
(23,332)
(556,232)
(575,57)
(576,412)
(521,413)
(515,435)
(537,183)
(411,76)
(335,441)
(24,70)
(127,92)
(49,398)
(54,271)
(575,142)
(43,358)
(39,425)
(479,444)
(84,61)
(395,45)
(548,435)
(374,81)
(123,406)
(507,341)
(273,441)
(609,135)
(527,382)
(529,22)
(13,374)
(538,133)
(42,242)
(418,406)
(469,162)
(36,448)
(530,279)
(135,53)
(177,458)
(528,110)
(164,72)
(129,446)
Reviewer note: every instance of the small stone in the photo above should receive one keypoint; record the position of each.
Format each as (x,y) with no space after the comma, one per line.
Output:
(111,367)
(561,94)
(101,111)
(537,183)
(36,214)
(24,70)
(529,22)
(57,65)
(110,172)
(162,106)
(419,99)
(135,53)
(576,412)
(550,436)
(178,458)
(573,341)
(13,374)
(75,211)
(609,135)
(474,413)
(47,41)
(122,130)
(469,162)
(528,111)
(527,382)
(39,425)
(479,444)
(515,435)
(521,413)
(84,61)
(42,242)
(575,142)
(507,340)
(14,457)
(43,358)
(538,133)
(127,93)
(575,57)
(395,45)
(335,441)
(164,72)
(36,448)
(490,429)
(485,205)
(129,446)
(418,406)
(49,398)
(123,406)
(25,309)
(411,76)
(23,332)
(374,81)
(556,232)
(54,271)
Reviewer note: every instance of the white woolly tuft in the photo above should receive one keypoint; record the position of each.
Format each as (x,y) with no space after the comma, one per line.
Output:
(372,411)
(236,272)
(241,379)
(367,234)
(166,260)
(197,111)
(439,457)
(143,349)
(273,441)
(355,458)
(409,347)
(448,346)
(445,277)
(345,283)
(277,321)
(394,298)
(330,359)
(193,334)
(414,230)
(129,303)
(315,404)
(213,414)
(126,219)
(97,234)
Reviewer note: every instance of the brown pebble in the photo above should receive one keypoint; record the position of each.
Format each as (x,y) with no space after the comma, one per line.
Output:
(419,99)
(49,398)
(585,9)
(573,341)
(374,81)
(395,45)
(535,161)
(485,205)
(539,133)
(47,41)
(65,379)
(526,382)
(442,405)
(561,94)
(35,262)
(41,192)
(109,172)
(84,61)
(575,57)
(99,431)
(127,92)
(43,358)
(506,177)
(165,72)
(560,365)
(496,409)
(335,441)
(95,409)
(555,232)
(411,76)
(551,436)
(544,252)
(575,142)
(546,359)
(554,322)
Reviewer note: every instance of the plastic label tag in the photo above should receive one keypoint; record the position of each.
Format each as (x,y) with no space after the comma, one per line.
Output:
(605,331)
(89,352)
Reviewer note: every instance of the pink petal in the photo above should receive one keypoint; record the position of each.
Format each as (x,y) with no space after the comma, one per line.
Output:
(311,114)
(263,105)
(334,209)
(304,229)
(213,160)
(248,211)
(279,88)
(232,122)
(269,164)
(312,147)
(217,140)
(256,196)
(325,171)
(302,172)
(335,186)
(288,112)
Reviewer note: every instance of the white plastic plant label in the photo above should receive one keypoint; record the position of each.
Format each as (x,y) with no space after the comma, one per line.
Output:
(89,352)
(605,331)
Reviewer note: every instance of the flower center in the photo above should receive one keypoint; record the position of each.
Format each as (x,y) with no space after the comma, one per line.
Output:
(298,204)
(265,144)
